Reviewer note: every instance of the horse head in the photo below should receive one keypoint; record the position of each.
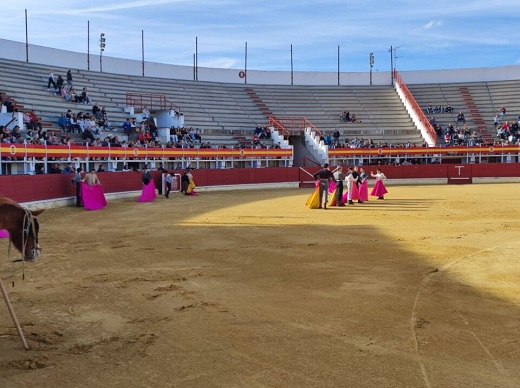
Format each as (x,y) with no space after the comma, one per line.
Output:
(24,234)
(32,249)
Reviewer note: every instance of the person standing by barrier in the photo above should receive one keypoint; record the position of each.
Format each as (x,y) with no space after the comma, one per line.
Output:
(76,181)
(162,170)
(339,176)
(169,180)
(324,176)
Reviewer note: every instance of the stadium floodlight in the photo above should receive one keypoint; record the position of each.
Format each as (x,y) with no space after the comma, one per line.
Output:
(102,41)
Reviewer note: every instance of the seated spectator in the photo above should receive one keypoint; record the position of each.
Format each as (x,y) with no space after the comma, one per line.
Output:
(258,130)
(114,142)
(63,123)
(127,127)
(448,109)
(497,120)
(84,98)
(64,92)
(27,120)
(267,132)
(9,105)
(73,96)
(460,117)
(35,121)
(345,116)
(88,135)
(15,133)
(354,119)
(502,112)
(146,113)
(197,135)
(429,110)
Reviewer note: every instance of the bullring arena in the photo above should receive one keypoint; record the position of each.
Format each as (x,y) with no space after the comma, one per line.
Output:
(251,288)
(243,285)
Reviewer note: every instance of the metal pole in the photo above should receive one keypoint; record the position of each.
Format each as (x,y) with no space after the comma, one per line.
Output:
(196,58)
(88,44)
(245,66)
(142,49)
(26,39)
(392,63)
(194,66)
(338,66)
(13,315)
(292,76)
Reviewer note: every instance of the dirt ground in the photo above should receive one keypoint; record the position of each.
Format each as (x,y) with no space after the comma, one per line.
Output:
(253,289)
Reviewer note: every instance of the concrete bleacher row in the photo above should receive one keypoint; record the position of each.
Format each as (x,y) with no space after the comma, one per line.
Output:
(479,101)
(227,112)
(219,108)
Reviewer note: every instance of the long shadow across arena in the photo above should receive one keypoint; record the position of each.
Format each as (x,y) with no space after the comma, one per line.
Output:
(253,288)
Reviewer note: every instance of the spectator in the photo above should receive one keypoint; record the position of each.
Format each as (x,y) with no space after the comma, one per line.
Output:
(127,127)
(146,113)
(101,168)
(448,109)
(9,106)
(35,121)
(51,80)
(461,118)
(60,82)
(69,78)
(497,121)
(63,123)
(502,112)
(69,169)
(84,96)
(55,169)
(345,116)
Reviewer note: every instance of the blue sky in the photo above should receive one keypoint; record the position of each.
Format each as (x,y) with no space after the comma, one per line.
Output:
(436,34)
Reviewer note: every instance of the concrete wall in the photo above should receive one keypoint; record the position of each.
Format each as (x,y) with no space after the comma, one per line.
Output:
(31,188)
(62,58)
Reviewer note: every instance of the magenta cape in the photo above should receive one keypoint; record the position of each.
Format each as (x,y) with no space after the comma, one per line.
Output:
(148,194)
(4,233)
(355,193)
(93,196)
(379,189)
(363,191)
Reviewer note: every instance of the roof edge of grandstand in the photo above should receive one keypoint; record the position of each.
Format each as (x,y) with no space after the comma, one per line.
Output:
(18,51)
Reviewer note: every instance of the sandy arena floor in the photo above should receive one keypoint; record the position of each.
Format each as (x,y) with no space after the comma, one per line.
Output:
(252,289)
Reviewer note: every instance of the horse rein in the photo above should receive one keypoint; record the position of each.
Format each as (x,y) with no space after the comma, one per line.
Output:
(28,225)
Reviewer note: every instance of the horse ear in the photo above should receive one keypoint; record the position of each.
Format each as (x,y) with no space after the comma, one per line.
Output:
(36,213)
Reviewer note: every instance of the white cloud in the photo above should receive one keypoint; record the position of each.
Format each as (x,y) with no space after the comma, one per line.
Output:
(432,24)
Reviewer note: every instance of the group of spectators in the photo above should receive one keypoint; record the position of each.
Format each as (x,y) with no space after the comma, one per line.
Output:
(460,134)
(439,109)
(346,117)
(66,90)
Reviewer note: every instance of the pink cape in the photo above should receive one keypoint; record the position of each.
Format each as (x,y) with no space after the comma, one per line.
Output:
(379,189)
(148,194)
(4,233)
(93,196)
(363,191)
(355,193)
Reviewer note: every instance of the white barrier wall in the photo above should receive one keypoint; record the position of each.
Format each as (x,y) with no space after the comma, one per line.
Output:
(61,58)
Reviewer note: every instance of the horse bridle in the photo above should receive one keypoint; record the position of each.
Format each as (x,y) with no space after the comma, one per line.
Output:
(29,223)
